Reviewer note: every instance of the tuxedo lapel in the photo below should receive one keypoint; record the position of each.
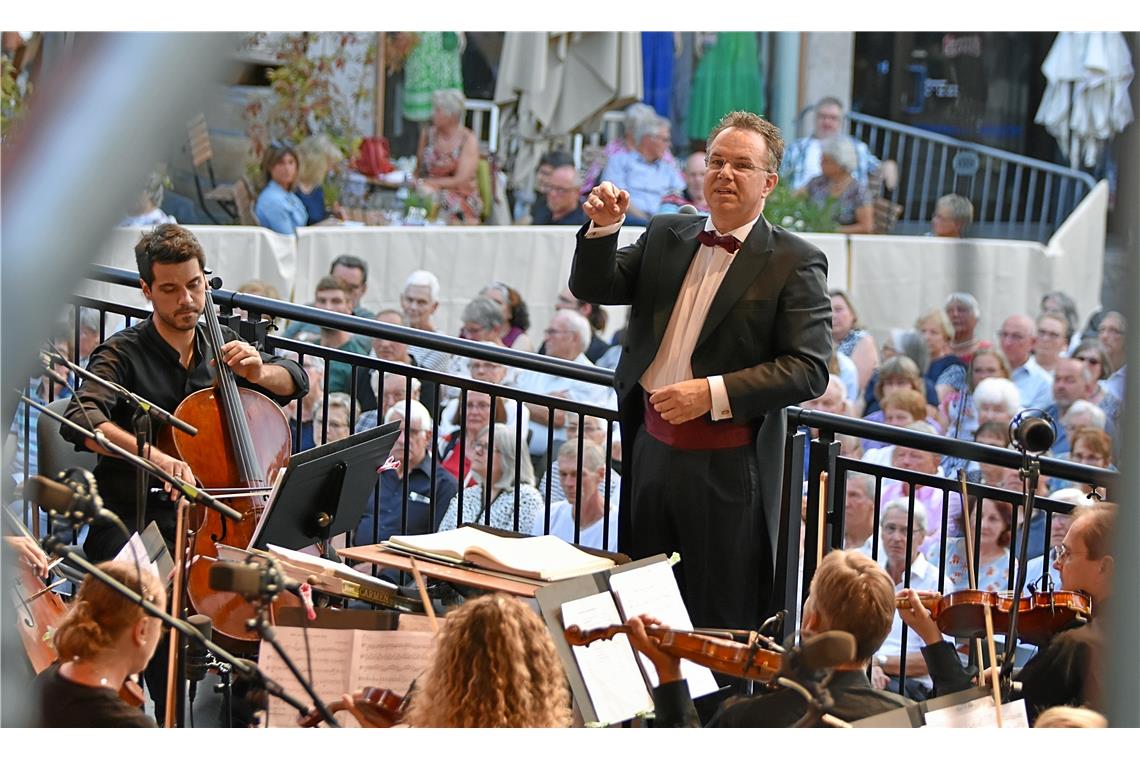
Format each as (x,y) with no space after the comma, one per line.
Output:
(746,266)
(682,246)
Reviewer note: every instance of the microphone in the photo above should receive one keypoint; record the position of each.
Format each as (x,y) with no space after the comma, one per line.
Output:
(74,496)
(47,361)
(1032,431)
(688,208)
(197,656)
(252,581)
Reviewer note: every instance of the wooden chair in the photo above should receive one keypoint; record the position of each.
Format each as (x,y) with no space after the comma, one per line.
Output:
(202,154)
(244,200)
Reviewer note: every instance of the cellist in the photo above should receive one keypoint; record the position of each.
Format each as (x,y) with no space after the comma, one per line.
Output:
(163,358)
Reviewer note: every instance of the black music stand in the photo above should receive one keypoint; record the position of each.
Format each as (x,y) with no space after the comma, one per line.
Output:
(324,491)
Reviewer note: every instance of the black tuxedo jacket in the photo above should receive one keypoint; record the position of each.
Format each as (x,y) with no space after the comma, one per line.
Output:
(768,330)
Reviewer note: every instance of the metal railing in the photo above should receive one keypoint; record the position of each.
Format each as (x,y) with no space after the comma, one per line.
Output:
(1013,196)
(823,455)
(253,323)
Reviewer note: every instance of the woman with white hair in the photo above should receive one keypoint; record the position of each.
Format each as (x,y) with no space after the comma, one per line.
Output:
(447,160)
(996,398)
(854,211)
(497,475)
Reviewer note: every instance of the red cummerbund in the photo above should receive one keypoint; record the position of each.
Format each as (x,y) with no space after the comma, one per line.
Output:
(697,435)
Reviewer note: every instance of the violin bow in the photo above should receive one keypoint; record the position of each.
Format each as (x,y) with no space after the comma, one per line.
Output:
(822,518)
(424,596)
(986,613)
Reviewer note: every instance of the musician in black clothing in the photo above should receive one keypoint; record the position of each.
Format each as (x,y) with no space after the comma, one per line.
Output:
(1068,670)
(849,592)
(104,639)
(163,358)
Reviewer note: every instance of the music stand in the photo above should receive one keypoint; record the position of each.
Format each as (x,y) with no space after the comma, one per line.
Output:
(324,491)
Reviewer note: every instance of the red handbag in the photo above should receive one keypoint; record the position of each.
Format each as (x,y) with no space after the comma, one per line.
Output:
(373,158)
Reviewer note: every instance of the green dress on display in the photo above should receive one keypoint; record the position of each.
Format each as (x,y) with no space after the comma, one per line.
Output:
(727,79)
(432,65)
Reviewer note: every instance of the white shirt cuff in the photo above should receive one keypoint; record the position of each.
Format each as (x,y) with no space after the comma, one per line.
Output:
(609,229)
(721,409)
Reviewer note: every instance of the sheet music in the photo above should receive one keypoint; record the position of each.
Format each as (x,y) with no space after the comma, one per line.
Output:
(979,713)
(652,590)
(609,669)
(390,659)
(135,548)
(331,652)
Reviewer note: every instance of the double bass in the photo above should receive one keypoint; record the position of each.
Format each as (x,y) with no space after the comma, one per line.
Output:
(243,437)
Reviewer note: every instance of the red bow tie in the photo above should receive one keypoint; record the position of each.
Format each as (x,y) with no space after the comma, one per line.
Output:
(713,240)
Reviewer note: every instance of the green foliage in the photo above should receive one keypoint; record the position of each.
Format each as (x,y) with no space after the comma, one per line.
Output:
(15,100)
(799,214)
(305,98)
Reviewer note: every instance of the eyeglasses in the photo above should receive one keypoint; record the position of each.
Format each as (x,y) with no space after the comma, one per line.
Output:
(741,167)
(1088,359)
(1062,554)
(558,190)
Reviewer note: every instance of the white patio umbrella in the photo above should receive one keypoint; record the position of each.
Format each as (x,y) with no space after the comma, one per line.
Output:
(1086,96)
(553,83)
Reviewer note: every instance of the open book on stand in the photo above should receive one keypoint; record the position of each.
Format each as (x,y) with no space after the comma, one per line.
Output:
(545,558)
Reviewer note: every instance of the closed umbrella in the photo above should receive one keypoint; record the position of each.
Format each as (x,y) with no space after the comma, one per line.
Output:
(553,83)
(1086,94)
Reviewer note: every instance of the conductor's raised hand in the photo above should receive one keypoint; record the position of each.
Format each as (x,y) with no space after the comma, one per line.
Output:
(606,204)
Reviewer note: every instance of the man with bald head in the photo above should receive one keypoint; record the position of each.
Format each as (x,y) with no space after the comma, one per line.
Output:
(730,321)
(1016,337)
(1072,382)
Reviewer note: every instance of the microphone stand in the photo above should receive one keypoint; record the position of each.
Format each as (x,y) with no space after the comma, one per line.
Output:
(140,422)
(1030,472)
(56,546)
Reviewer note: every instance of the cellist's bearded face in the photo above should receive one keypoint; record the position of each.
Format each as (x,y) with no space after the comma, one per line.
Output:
(178,293)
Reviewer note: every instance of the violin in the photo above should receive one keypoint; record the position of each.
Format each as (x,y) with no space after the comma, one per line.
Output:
(243,437)
(1039,615)
(39,612)
(383,708)
(721,655)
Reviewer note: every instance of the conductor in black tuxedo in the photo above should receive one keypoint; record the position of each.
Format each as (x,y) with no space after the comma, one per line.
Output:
(730,321)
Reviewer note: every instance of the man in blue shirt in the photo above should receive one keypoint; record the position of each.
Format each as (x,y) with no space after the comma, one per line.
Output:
(1016,336)
(421,517)
(644,172)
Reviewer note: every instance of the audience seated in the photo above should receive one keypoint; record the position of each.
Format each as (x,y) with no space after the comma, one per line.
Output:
(853,211)
(1072,382)
(904,345)
(1062,303)
(803,157)
(996,399)
(1110,333)
(497,474)
(1017,336)
(644,172)
(991,547)
(594,430)
(696,167)
(901,406)
(594,314)
(332,425)
(964,313)
(1091,447)
(946,370)
(333,295)
(953,214)
(447,160)
(473,434)
(850,338)
(316,157)
(276,207)
(488,372)
(859,513)
(424,512)
(593,525)
(931,497)
(958,409)
(419,300)
(104,639)
(146,211)
(515,312)
(352,271)
(539,212)
(849,592)
(1051,340)
(562,198)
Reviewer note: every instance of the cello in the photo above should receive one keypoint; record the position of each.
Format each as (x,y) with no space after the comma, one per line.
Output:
(243,437)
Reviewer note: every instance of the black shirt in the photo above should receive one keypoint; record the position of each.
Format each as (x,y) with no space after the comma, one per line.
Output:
(852,693)
(140,360)
(66,704)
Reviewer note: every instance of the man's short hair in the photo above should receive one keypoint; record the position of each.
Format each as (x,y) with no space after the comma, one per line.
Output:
(902,504)
(648,126)
(830,100)
(851,592)
(328,282)
(753,123)
(1098,529)
(351,262)
(336,400)
(959,208)
(421,278)
(965,299)
(864,480)
(419,414)
(592,455)
(166,244)
(579,324)
(556,158)
(483,312)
